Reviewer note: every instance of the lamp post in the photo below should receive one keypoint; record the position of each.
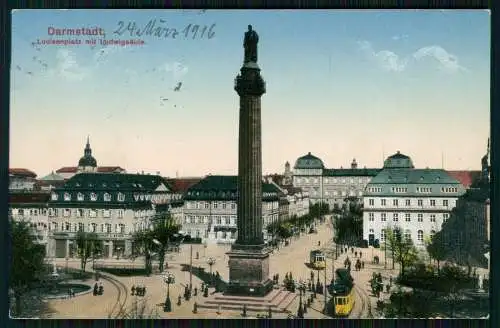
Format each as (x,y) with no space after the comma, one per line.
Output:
(302,289)
(168,278)
(211,262)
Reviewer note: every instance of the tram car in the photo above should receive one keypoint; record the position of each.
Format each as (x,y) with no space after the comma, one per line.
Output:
(317,259)
(343,293)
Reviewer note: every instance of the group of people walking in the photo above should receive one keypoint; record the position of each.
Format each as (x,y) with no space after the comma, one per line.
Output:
(98,288)
(139,290)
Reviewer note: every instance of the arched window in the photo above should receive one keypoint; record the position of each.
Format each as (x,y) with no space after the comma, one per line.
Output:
(107,197)
(407,235)
(420,236)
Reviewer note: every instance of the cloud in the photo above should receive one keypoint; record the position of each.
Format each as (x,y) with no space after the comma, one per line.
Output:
(448,61)
(391,61)
(68,67)
(177,69)
(400,37)
(387,59)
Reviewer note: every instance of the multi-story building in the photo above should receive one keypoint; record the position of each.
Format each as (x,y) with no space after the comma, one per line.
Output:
(21,180)
(179,187)
(298,201)
(87,164)
(418,201)
(31,207)
(331,186)
(113,206)
(49,182)
(210,208)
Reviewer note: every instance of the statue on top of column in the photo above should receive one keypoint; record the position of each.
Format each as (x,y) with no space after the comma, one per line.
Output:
(250,45)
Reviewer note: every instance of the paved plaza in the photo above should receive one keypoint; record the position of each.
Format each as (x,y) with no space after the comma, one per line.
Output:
(292,258)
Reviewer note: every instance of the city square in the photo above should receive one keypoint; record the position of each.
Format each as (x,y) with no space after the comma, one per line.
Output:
(404,237)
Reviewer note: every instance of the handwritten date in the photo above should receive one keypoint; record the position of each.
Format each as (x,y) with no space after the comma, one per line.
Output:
(157,28)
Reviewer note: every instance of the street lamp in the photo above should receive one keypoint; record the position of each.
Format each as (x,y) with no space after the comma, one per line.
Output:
(210,262)
(302,289)
(168,278)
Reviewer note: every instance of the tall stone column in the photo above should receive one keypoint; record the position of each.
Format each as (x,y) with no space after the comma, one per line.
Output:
(249,258)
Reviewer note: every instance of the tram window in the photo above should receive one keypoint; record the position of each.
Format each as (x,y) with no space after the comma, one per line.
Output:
(340,301)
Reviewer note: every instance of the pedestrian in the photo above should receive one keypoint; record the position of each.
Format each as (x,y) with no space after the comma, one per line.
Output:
(96,288)
(362,264)
(356,254)
(352,250)
(195,291)
(72,292)
(133,290)
(390,281)
(346,249)
(360,254)
(319,243)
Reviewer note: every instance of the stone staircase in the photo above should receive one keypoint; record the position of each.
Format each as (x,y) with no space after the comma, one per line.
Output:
(277,300)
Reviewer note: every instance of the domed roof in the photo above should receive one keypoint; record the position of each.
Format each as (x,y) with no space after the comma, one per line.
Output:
(87,161)
(398,161)
(309,162)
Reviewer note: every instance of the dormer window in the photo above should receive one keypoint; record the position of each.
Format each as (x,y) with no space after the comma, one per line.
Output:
(67,196)
(93,196)
(54,196)
(121,197)
(79,196)
(104,185)
(107,197)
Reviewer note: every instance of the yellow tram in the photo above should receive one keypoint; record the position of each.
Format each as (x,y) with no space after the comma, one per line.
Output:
(317,259)
(343,293)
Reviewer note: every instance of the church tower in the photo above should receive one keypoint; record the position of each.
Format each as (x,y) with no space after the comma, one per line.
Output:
(87,163)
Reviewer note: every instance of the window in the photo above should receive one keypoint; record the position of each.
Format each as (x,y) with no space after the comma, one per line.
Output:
(120,213)
(445,217)
(420,202)
(94,227)
(395,202)
(371,216)
(433,202)
(382,202)
(93,196)
(106,213)
(215,205)
(186,219)
(420,236)
(108,227)
(228,221)
(54,196)
(233,206)
(371,202)
(218,219)
(93,213)
(371,230)
(395,217)
(207,205)
(433,218)
(407,202)
(67,226)
(79,196)
(407,217)
(107,197)
(121,227)
(445,202)
(420,217)
(407,235)
(121,197)
(433,232)
(382,235)
(81,227)
(383,217)
(224,206)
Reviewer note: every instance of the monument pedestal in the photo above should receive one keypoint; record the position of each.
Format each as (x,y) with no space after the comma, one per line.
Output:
(249,271)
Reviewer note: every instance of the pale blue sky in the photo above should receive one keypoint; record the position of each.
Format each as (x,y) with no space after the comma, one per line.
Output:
(340,84)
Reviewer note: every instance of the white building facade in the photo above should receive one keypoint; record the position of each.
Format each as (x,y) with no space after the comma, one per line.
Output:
(418,201)
(331,186)
(210,209)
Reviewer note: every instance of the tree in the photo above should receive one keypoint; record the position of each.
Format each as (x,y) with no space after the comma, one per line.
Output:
(403,250)
(88,246)
(348,224)
(437,249)
(165,231)
(27,261)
